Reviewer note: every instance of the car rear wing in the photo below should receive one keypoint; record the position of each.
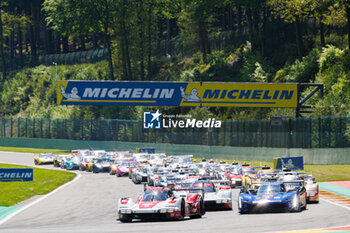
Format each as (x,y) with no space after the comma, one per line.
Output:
(221,182)
(269,178)
(207,178)
(263,167)
(188,190)
(293,181)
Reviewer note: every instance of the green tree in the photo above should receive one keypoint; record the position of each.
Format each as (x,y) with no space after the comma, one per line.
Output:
(320,10)
(338,14)
(294,12)
(81,16)
(196,16)
(2,54)
(255,15)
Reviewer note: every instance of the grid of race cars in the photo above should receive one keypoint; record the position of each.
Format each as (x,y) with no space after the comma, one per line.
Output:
(176,187)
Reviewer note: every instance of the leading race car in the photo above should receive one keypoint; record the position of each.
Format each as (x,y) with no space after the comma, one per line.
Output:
(160,203)
(272,196)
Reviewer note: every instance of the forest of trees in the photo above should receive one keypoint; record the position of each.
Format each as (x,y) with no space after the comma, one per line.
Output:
(191,40)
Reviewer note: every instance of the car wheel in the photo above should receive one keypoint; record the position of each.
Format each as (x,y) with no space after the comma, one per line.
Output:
(183,211)
(201,209)
(126,219)
(35,162)
(305,206)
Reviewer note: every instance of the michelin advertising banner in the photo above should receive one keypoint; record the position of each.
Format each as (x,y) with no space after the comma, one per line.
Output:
(292,163)
(176,94)
(16,174)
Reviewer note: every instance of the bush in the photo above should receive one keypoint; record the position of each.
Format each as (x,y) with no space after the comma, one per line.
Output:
(31,92)
(304,71)
(255,68)
(329,56)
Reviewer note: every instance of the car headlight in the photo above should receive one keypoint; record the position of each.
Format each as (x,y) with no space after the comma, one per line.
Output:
(262,202)
(295,201)
(125,211)
(167,210)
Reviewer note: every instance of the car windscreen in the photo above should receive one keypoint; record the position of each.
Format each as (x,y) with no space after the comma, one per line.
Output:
(271,188)
(249,172)
(293,185)
(46,155)
(155,195)
(157,157)
(102,161)
(141,157)
(234,171)
(208,187)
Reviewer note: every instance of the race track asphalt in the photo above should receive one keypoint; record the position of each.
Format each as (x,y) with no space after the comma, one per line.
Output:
(90,203)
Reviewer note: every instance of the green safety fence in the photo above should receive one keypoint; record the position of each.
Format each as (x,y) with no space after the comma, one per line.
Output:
(311,156)
(312,132)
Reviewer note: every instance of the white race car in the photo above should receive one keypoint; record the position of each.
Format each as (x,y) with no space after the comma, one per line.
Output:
(160,203)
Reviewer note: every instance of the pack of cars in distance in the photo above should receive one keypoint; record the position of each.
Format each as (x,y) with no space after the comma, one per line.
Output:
(176,187)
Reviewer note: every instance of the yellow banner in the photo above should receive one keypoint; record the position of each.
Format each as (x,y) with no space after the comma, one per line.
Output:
(240,95)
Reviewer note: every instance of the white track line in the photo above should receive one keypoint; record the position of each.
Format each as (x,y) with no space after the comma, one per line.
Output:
(334,203)
(304,230)
(316,229)
(40,199)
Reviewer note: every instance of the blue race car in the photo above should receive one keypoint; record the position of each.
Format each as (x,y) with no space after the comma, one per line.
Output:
(73,163)
(272,196)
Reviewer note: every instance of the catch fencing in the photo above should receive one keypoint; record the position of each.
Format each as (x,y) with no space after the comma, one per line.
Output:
(91,56)
(312,132)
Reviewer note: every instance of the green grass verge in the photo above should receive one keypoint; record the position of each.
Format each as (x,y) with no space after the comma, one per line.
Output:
(44,181)
(33,150)
(322,173)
